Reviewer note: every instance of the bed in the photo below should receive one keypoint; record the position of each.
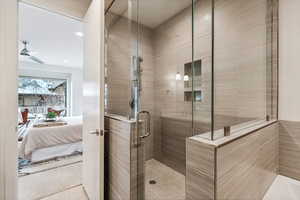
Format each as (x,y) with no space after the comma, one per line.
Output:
(45,143)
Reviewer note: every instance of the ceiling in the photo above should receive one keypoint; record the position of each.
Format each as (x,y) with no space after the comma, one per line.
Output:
(152,13)
(51,36)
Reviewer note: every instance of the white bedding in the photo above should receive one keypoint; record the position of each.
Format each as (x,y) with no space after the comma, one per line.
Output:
(49,153)
(39,138)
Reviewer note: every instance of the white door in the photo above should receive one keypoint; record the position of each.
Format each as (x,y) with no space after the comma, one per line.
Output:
(93,109)
(8,98)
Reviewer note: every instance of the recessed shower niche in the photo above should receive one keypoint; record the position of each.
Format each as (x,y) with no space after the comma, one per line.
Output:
(192,81)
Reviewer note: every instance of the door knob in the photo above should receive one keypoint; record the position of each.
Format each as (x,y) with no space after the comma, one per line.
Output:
(96,132)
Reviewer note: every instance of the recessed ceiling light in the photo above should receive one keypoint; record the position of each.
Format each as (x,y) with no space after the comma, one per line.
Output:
(66,61)
(79,34)
(178,76)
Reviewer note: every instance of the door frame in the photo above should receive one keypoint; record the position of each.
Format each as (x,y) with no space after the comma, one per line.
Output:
(8,87)
(8,104)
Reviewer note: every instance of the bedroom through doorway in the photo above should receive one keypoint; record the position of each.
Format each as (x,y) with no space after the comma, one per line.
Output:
(50,100)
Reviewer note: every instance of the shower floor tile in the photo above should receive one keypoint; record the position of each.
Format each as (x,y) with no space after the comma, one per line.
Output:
(170,185)
(283,188)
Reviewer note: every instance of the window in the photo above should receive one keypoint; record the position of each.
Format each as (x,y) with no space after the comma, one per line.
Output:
(39,94)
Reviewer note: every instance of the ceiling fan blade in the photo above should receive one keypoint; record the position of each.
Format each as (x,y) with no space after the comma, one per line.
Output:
(35,59)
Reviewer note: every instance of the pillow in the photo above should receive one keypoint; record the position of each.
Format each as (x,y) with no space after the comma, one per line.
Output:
(20,118)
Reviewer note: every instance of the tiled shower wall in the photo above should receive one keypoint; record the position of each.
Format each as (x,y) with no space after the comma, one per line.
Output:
(289,148)
(252,162)
(243,168)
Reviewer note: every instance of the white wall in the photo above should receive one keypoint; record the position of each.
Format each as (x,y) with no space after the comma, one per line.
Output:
(49,71)
(289,60)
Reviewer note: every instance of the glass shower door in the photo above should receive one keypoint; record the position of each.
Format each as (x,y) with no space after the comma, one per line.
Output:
(123,67)
(164,47)
(138,113)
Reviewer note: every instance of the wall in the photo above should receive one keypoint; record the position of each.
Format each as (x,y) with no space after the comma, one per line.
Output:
(289,70)
(74,74)
(120,157)
(289,148)
(243,168)
(251,163)
(289,97)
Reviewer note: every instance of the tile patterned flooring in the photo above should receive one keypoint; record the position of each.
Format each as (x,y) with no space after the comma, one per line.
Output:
(49,182)
(75,193)
(283,188)
(170,185)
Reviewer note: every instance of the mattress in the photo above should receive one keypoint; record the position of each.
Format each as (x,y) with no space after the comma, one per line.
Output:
(40,138)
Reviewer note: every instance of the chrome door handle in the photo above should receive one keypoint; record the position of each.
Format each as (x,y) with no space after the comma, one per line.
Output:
(148,129)
(96,132)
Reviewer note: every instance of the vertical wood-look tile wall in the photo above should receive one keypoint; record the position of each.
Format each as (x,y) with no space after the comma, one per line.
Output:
(241,169)
(248,166)
(118,159)
(124,161)
(289,149)
(200,171)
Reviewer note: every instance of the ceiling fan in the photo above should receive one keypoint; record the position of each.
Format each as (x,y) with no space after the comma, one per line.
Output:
(27,53)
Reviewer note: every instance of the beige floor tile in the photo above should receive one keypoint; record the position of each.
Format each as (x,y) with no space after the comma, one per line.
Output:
(170,185)
(283,188)
(49,182)
(75,193)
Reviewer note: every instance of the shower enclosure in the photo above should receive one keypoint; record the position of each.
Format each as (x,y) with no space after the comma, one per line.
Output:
(198,67)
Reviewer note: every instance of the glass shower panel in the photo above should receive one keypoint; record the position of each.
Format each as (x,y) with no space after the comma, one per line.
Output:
(201,78)
(241,77)
(121,36)
(123,67)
